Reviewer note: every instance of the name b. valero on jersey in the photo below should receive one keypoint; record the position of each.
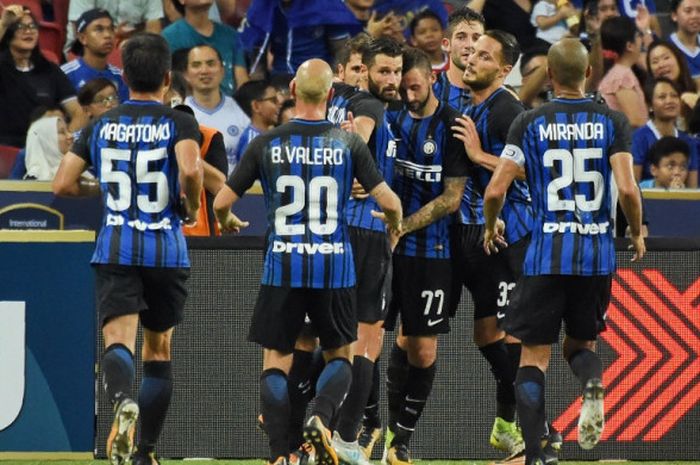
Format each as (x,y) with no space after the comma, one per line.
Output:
(307,155)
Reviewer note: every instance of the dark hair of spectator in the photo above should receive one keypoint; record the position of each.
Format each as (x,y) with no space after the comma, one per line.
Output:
(649,89)
(510,49)
(249,92)
(425,14)
(461,15)
(281,81)
(179,60)
(146,59)
(531,53)
(179,7)
(357,44)
(286,105)
(38,112)
(178,83)
(37,58)
(673,6)
(685,80)
(218,55)
(416,58)
(87,93)
(380,46)
(615,34)
(666,146)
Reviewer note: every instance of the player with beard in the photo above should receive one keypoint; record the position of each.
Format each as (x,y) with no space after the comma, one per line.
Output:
(464,27)
(431,169)
(490,280)
(381,66)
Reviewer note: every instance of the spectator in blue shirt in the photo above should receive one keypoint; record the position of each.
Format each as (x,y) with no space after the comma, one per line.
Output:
(259,101)
(669,164)
(96,40)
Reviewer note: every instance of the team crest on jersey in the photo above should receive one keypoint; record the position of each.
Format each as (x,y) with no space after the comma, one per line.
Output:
(429,147)
(233,130)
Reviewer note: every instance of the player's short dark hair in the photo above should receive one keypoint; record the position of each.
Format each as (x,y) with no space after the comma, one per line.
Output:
(425,14)
(87,93)
(462,15)
(650,86)
(380,46)
(416,58)
(250,92)
(354,45)
(510,49)
(146,59)
(665,146)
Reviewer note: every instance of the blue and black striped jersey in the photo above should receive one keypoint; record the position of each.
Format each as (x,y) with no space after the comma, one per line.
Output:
(458,98)
(306,169)
(492,118)
(381,144)
(132,150)
(566,147)
(427,153)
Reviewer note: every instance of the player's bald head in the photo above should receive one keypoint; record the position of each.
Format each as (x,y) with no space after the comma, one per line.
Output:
(313,81)
(567,60)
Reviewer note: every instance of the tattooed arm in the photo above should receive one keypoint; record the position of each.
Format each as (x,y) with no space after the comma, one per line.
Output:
(442,205)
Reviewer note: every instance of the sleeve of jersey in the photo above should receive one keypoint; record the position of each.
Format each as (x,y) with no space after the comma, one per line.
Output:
(456,163)
(216,155)
(369,107)
(513,150)
(363,166)
(499,121)
(622,141)
(186,128)
(81,145)
(246,171)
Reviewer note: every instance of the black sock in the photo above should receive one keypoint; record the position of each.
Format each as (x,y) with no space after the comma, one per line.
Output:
(301,392)
(503,371)
(371,415)
(416,395)
(154,399)
(396,376)
(331,389)
(117,372)
(274,400)
(586,365)
(529,393)
(351,412)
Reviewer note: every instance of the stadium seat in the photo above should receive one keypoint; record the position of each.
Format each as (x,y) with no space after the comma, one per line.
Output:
(33,5)
(60,13)
(7,160)
(51,38)
(51,56)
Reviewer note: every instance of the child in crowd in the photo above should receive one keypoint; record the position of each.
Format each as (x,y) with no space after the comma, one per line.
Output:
(669,164)
(550,19)
(427,34)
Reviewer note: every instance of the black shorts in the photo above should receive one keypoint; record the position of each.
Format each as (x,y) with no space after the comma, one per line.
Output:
(422,294)
(279,316)
(540,303)
(373,269)
(156,294)
(508,269)
(474,269)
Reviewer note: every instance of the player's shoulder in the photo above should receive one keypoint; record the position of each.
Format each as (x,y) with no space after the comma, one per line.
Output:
(447,113)
(504,100)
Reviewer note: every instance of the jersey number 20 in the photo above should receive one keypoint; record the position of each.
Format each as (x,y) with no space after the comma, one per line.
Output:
(319,187)
(573,170)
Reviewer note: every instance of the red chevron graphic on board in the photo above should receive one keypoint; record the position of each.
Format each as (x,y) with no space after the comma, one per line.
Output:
(660,349)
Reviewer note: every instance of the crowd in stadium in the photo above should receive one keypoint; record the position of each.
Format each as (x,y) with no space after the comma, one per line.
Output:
(421,83)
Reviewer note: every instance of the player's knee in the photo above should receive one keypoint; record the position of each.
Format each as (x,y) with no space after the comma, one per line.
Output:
(422,355)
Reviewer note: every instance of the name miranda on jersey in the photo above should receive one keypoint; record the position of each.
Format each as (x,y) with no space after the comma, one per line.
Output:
(307,156)
(131,133)
(561,131)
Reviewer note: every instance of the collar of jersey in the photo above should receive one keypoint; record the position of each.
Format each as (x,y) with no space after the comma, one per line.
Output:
(571,100)
(309,121)
(142,102)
